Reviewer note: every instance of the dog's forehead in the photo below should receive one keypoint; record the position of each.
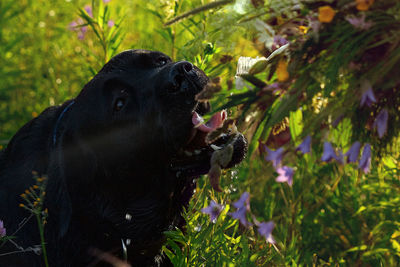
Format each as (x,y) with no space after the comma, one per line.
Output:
(134,59)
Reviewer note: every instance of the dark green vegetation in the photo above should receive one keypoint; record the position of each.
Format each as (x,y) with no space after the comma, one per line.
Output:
(336,212)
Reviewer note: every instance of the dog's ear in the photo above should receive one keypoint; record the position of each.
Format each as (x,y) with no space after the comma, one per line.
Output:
(57,190)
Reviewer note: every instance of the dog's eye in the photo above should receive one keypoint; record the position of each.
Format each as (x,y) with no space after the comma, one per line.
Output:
(161,61)
(119,104)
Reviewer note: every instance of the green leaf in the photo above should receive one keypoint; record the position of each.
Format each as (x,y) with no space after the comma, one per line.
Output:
(296,124)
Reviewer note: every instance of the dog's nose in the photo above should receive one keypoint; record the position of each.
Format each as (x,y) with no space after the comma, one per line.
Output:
(181,71)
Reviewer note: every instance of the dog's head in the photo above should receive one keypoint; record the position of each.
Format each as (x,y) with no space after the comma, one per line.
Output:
(140,111)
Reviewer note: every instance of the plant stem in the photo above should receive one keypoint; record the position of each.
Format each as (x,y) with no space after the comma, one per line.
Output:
(40,225)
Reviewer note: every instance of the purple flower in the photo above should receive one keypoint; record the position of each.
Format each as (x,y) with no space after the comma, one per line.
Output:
(352,153)
(368,96)
(359,22)
(2,229)
(242,206)
(278,42)
(329,153)
(381,122)
(305,146)
(274,156)
(244,201)
(265,229)
(81,33)
(110,23)
(365,161)
(213,210)
(72,26)
(88,10)
(285,175)
(106,1)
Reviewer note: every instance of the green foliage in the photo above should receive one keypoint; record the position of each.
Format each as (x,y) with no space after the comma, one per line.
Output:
(335,213)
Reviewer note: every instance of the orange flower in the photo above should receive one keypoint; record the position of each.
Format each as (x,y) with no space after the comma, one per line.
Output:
(281,71)
(326,14)
(364,5)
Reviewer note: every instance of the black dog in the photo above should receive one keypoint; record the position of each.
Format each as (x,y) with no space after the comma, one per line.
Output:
(117,177)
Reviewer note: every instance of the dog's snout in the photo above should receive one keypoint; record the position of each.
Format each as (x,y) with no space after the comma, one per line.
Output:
(180,72)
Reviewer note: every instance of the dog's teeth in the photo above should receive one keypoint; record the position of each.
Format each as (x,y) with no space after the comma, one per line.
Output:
(128,242)
(197,151)
(128,217)
(188,153)
(215,147)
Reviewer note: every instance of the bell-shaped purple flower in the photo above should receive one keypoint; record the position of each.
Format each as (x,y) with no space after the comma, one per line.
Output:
(365,161)
(305,146)
(275,156)
(88,10)
(328,153)
(244,201)
(2,229)
(213,210)
(242,206)
(353,152)
(285,175)
(265,230)
(368,97)
(381,122)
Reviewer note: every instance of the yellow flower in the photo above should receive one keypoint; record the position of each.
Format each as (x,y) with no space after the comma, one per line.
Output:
(364,5)
(303,29)
(326,14)
(21,205)
(23,195)
(35,186)
(34,114)
(281,71)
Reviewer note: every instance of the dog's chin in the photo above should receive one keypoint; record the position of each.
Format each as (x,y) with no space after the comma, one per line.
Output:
(194,159)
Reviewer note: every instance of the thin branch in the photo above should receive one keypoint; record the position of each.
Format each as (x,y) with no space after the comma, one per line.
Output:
(198,10)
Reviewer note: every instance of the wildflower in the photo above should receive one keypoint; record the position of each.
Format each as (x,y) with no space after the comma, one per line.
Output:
(274,156)
(88,10)
(242,206)
(285,175)
(213,210)
(278,42)
(281,70)
(2,229)
(364,5)
(305,146)
(265,229)
(106,1)
(352,153)
(381,122)
(359,22)
(303,29)
(328,153)
(110,23)
(365,161)
(326,14)
(368,96)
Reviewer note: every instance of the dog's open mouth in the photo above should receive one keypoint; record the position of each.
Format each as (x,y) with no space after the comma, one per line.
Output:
(212,146)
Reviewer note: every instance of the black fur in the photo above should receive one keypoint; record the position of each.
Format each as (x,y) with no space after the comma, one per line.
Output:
(103,163)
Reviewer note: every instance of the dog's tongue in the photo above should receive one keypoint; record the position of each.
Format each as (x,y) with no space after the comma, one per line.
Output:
(213,123)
